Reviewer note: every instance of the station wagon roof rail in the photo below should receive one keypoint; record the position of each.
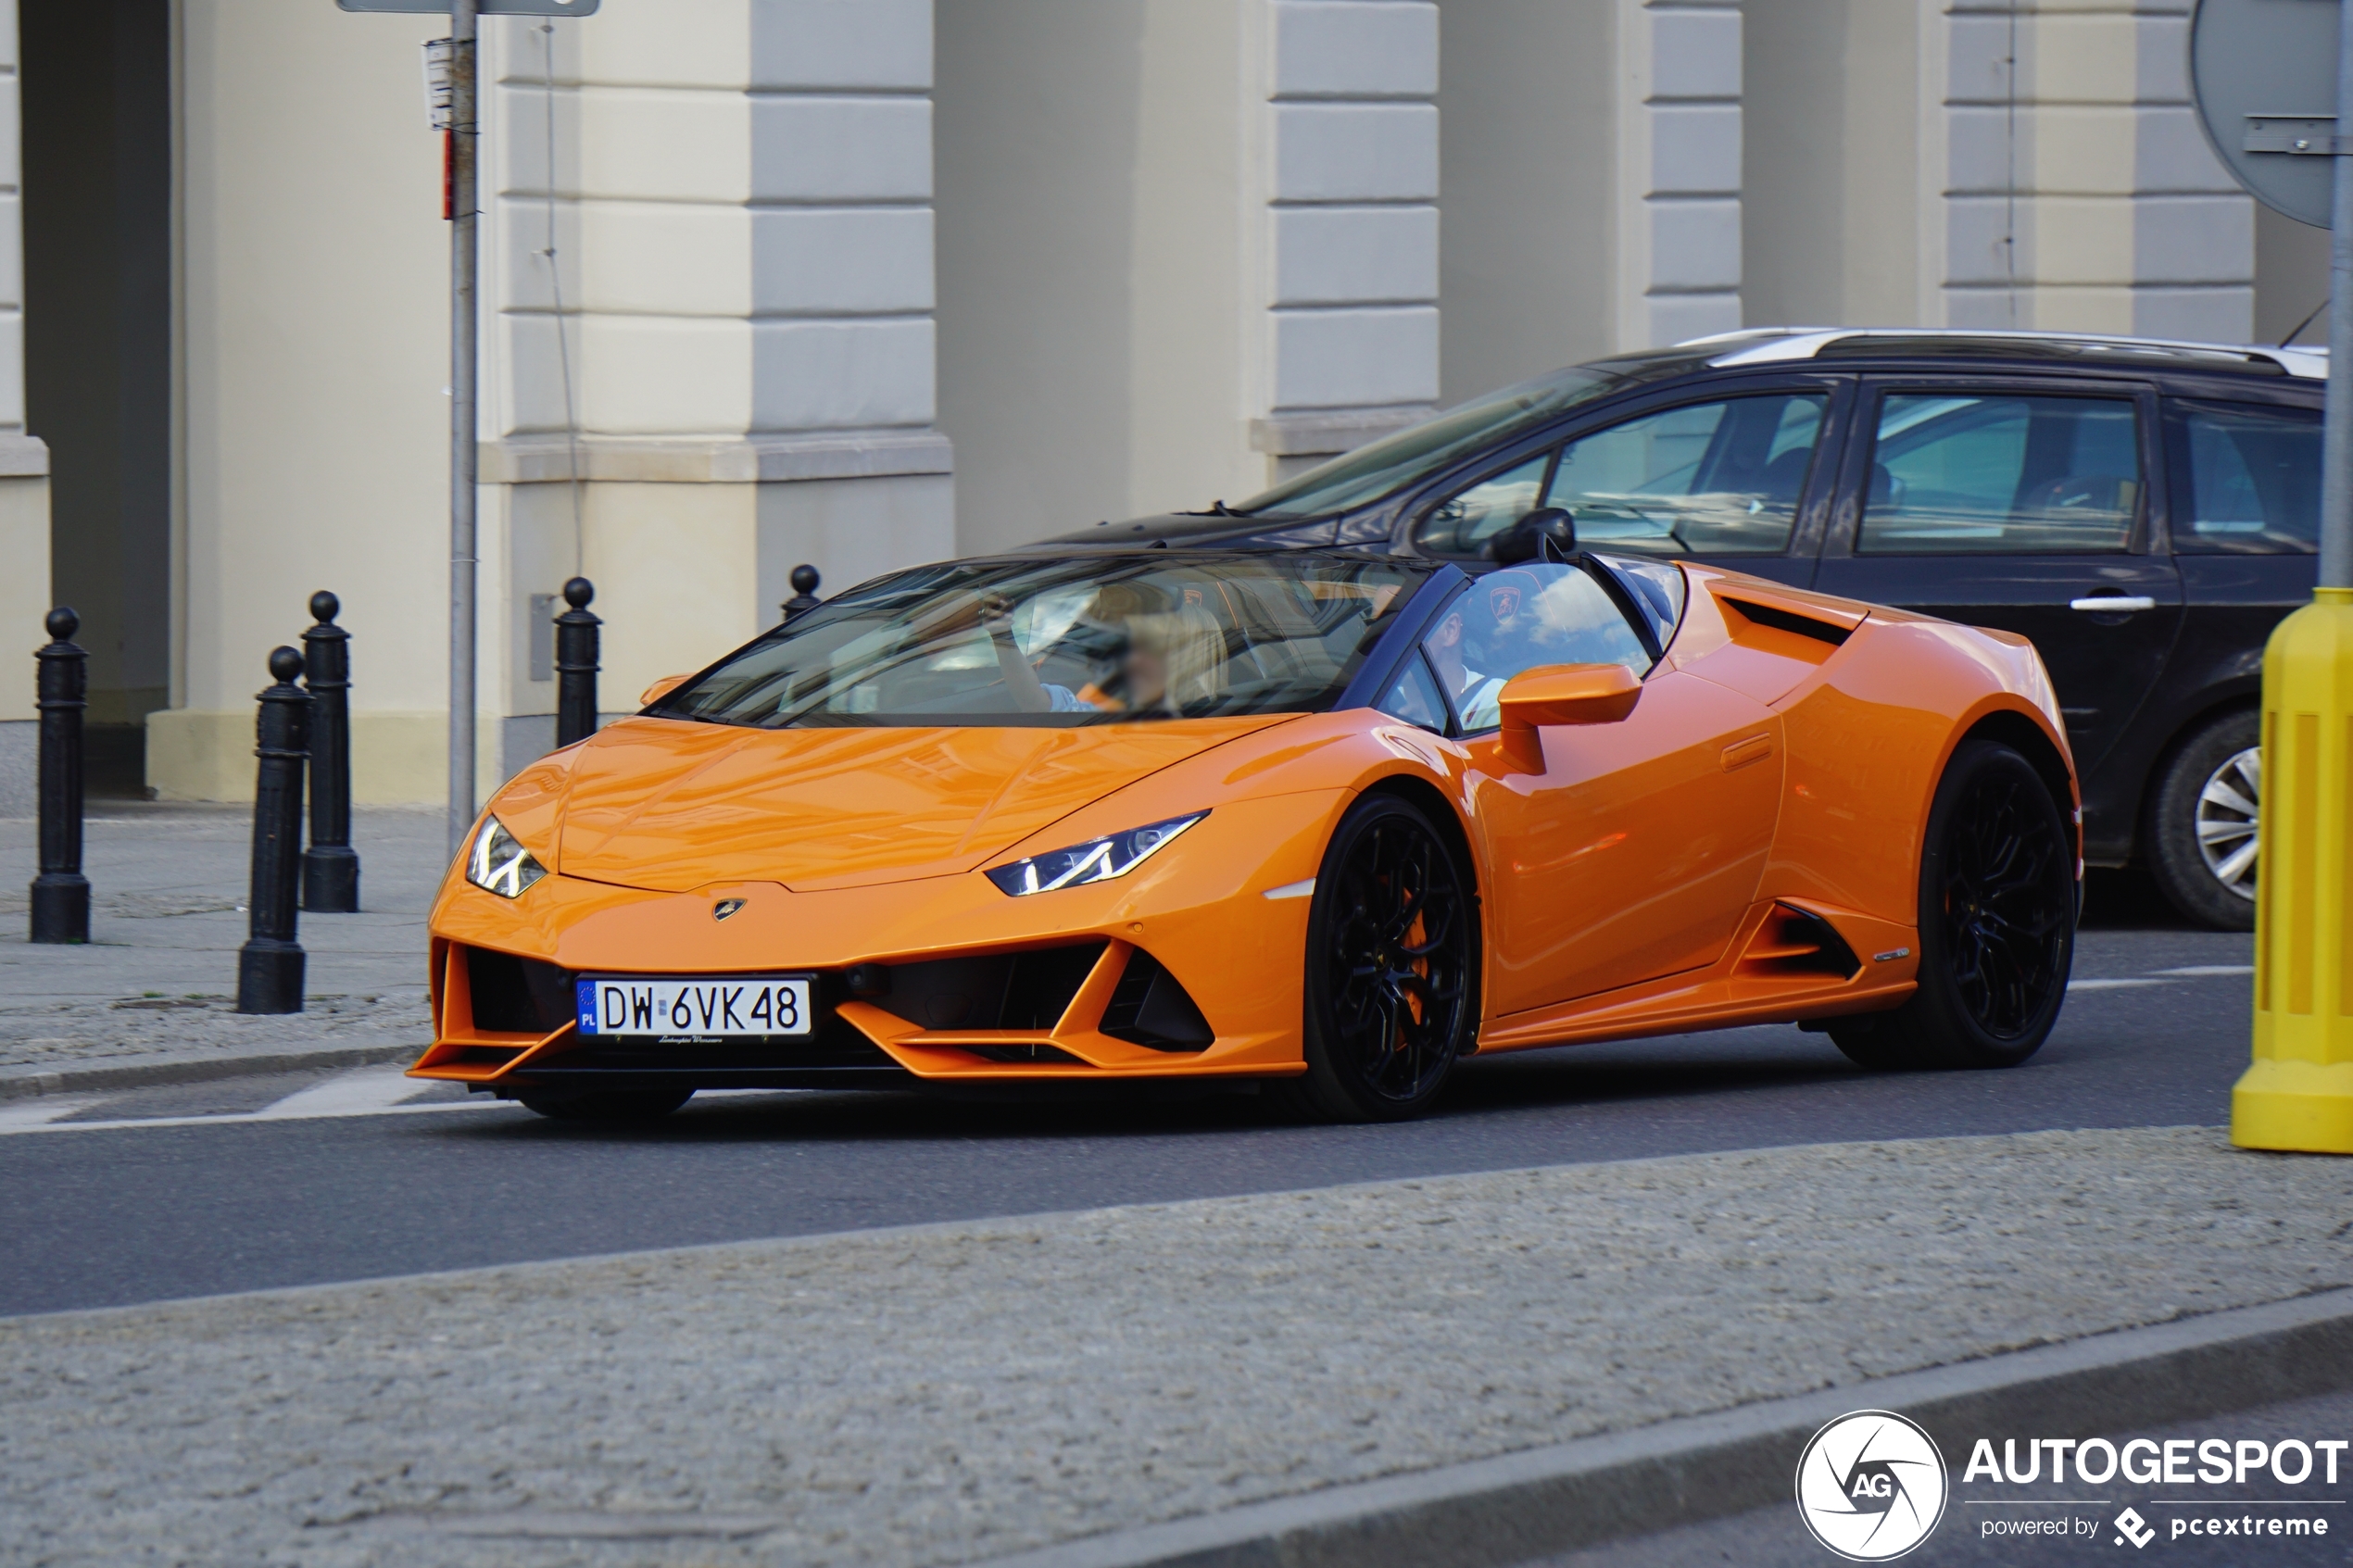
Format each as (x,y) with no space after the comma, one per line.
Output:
(1768,345)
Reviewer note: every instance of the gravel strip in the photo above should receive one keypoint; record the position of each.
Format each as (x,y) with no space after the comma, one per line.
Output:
(955,1392)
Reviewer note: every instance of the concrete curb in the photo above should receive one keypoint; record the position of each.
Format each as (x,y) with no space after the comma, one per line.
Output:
(15,1083)
(1496,1511)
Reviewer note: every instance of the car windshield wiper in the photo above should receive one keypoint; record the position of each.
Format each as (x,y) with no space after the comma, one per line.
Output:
(1216,509)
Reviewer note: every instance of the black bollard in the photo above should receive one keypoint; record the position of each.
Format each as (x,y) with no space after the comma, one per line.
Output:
(576,637)
(61,894)
(330,867)
(804,592)
(269,965)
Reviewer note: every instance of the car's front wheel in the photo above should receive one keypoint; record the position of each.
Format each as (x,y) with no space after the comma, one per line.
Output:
(2202,839)
(607,1106)
(1997,920)
(1392,992)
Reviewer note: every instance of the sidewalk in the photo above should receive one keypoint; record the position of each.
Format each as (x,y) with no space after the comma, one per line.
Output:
(949,1393)
(150,998)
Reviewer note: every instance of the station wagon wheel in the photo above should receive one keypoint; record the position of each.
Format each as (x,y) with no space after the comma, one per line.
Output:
(1392,992)
(2201,836)
(1996,924)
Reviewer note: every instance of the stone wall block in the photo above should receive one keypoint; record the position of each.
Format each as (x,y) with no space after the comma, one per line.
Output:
(2172,155)
(636,142)
(1696,53)
(848,260)
(700,46)
(832,150)
(1343,255)
(840,44)
(842,374)
(1355,49)
(2209,315)
(1978,151)
(1695,149)
(1974,251)
(1355,152)
(1348,358)
(1978,48)
(1695,245)
(2192,239)
(634,375)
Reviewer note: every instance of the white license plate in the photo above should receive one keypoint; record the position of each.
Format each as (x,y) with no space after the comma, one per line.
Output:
(705,1006)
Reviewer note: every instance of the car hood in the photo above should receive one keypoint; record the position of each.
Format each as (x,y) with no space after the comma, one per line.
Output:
(671,806)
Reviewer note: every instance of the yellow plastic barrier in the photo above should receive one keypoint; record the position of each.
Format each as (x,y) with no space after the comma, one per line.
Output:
(2298,1094)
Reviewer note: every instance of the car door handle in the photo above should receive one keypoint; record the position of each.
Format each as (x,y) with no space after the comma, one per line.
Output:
(2113,604)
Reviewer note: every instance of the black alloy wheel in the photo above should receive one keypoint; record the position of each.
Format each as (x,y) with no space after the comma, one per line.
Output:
(610,1107)
(1996,924)
(1391,988)
(2202,835)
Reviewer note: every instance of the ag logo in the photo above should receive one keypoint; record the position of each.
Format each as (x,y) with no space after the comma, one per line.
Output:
(1872,1485)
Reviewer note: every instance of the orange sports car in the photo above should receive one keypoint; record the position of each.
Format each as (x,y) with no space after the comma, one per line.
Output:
(1326,820)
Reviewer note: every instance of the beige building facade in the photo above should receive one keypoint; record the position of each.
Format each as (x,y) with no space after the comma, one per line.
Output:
(870,283)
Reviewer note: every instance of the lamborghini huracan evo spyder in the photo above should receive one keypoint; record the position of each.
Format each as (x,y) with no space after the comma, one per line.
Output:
(1329,820)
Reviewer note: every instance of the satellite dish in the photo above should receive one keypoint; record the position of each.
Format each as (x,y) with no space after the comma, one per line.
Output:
(2264,75)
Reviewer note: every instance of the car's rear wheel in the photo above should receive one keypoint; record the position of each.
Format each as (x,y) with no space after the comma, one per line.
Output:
(1392,981)
(2201,834)
(612,1107)
(1996,924)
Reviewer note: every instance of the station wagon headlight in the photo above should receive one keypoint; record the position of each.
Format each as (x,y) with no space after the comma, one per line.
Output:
(1098,859)
(498,863)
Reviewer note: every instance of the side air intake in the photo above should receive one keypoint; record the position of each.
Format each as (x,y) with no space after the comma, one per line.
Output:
(1799,942)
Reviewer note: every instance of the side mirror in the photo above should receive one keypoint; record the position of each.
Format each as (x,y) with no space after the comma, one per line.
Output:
(1546,534)
(663,688)
(1561,693)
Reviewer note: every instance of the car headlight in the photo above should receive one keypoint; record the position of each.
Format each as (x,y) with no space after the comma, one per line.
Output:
(500,864)
(1098,859)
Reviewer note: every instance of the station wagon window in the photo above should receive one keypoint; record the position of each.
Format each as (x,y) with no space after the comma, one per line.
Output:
(1463,524)
(2003,474)
(2249,479)
(1519,619)
(1707,479)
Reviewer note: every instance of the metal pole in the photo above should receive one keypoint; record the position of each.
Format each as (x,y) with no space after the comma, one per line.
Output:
(577,641)
(61,894)
(2337,477)
(330,867)
(463,141)
(269,965)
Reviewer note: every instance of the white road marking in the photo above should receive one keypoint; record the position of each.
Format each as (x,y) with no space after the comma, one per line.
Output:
(258,1116)
(309,1105)
(375,1088)
(2196,969)
(2111,984)
(21,1114)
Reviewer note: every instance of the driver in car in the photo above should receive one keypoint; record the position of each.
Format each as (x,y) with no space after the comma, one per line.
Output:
(1167,658)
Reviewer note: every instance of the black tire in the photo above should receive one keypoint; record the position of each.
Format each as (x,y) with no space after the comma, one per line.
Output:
(1391,977)
(611,1107)
(2200,837)
(1997,921)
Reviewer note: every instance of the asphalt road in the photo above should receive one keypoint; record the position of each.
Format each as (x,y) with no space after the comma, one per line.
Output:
(187,1192)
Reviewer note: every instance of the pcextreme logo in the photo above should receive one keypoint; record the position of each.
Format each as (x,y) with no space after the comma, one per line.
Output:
(1872,1485)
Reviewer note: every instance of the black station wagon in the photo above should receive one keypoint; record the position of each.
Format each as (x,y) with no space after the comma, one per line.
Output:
(2145,511)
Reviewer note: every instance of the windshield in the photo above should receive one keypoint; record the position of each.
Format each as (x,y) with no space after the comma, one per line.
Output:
(1095,640)
(1394,461)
